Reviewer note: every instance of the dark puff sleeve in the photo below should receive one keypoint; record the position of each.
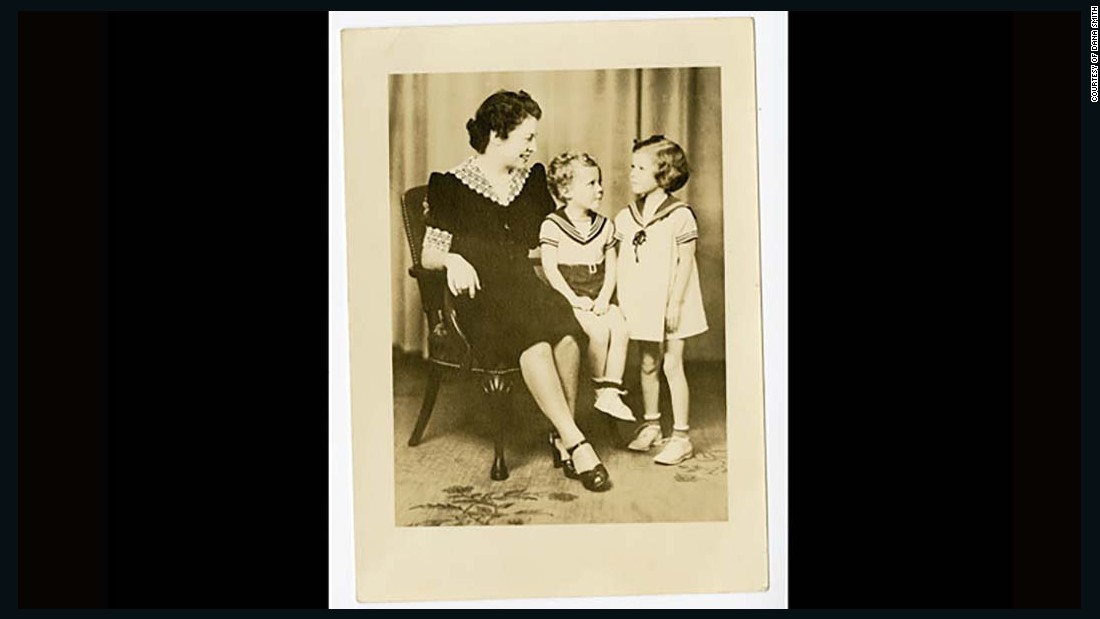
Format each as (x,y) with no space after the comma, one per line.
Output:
(545,202)
(540,204)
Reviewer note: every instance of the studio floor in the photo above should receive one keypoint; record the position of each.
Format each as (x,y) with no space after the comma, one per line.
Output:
(444,481)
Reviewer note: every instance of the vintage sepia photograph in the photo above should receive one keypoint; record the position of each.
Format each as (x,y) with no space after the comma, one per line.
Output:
(558,297)
(554,311)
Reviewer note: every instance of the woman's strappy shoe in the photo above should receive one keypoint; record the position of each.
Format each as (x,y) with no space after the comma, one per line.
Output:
(565,464)
(597,479)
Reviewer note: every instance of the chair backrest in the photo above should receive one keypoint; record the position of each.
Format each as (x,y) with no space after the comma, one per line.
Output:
(445,345)
(414,208)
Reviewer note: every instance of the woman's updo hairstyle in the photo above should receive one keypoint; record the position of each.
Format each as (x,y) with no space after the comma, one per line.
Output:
(502,112)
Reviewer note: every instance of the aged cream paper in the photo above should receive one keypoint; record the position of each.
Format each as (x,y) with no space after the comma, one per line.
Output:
(406,563)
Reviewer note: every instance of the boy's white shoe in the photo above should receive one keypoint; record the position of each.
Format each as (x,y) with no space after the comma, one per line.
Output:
(677,449)
(610,402)
(648,434)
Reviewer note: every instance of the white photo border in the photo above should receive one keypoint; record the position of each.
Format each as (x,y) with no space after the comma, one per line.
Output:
(772,76)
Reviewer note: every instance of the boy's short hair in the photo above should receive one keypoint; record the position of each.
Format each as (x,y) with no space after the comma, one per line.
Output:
(560,172)
(672,165)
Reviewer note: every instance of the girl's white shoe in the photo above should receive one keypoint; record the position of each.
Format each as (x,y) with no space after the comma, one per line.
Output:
(677,449)
(647,436)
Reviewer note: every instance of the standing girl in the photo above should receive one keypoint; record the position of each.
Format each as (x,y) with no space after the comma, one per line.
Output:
(659,287)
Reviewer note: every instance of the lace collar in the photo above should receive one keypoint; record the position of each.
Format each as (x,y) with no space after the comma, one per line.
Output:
(471,175)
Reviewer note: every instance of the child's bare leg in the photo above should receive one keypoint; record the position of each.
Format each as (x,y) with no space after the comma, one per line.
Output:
(677,385)
(651,383)
(608,387)
(620,340)
(649,433)
(598,338)
(679,447)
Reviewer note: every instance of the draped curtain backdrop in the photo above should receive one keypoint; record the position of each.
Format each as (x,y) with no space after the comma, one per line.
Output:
(597,111)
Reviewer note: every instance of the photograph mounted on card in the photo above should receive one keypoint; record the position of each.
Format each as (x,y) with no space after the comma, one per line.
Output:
(563,241)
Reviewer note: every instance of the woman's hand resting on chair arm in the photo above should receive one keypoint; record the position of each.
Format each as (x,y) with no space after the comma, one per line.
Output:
(461,275)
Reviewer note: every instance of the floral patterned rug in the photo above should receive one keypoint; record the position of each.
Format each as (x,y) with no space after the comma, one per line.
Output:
(444,481)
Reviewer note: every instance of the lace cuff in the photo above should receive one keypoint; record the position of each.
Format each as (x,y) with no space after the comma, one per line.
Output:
(439,240)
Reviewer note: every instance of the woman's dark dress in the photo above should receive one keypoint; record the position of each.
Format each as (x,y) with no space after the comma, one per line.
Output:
(514,309)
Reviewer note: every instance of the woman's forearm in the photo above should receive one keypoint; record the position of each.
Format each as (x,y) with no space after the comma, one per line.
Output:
(433,259)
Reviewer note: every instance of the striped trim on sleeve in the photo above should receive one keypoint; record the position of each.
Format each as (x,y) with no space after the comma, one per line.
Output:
(687,237)
(612,236)
(549,232)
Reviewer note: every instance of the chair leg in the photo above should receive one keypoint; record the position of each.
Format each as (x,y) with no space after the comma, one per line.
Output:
(498,389)
(435,376)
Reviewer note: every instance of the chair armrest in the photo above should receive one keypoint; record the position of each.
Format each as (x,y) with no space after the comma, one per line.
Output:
(420,272)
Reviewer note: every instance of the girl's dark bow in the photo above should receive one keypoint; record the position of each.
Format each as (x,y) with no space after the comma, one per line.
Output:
(639,240)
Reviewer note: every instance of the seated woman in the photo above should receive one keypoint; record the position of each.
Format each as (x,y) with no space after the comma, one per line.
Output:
(484,216)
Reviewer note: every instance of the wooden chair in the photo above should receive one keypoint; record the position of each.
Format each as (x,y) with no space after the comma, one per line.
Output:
(448,348)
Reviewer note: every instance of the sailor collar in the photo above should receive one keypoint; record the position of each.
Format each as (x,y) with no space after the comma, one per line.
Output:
(665,209)
(560,220)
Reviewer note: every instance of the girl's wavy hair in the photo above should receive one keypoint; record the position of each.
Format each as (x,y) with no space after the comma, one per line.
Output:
(502,112)
(562,170)
(672,165)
